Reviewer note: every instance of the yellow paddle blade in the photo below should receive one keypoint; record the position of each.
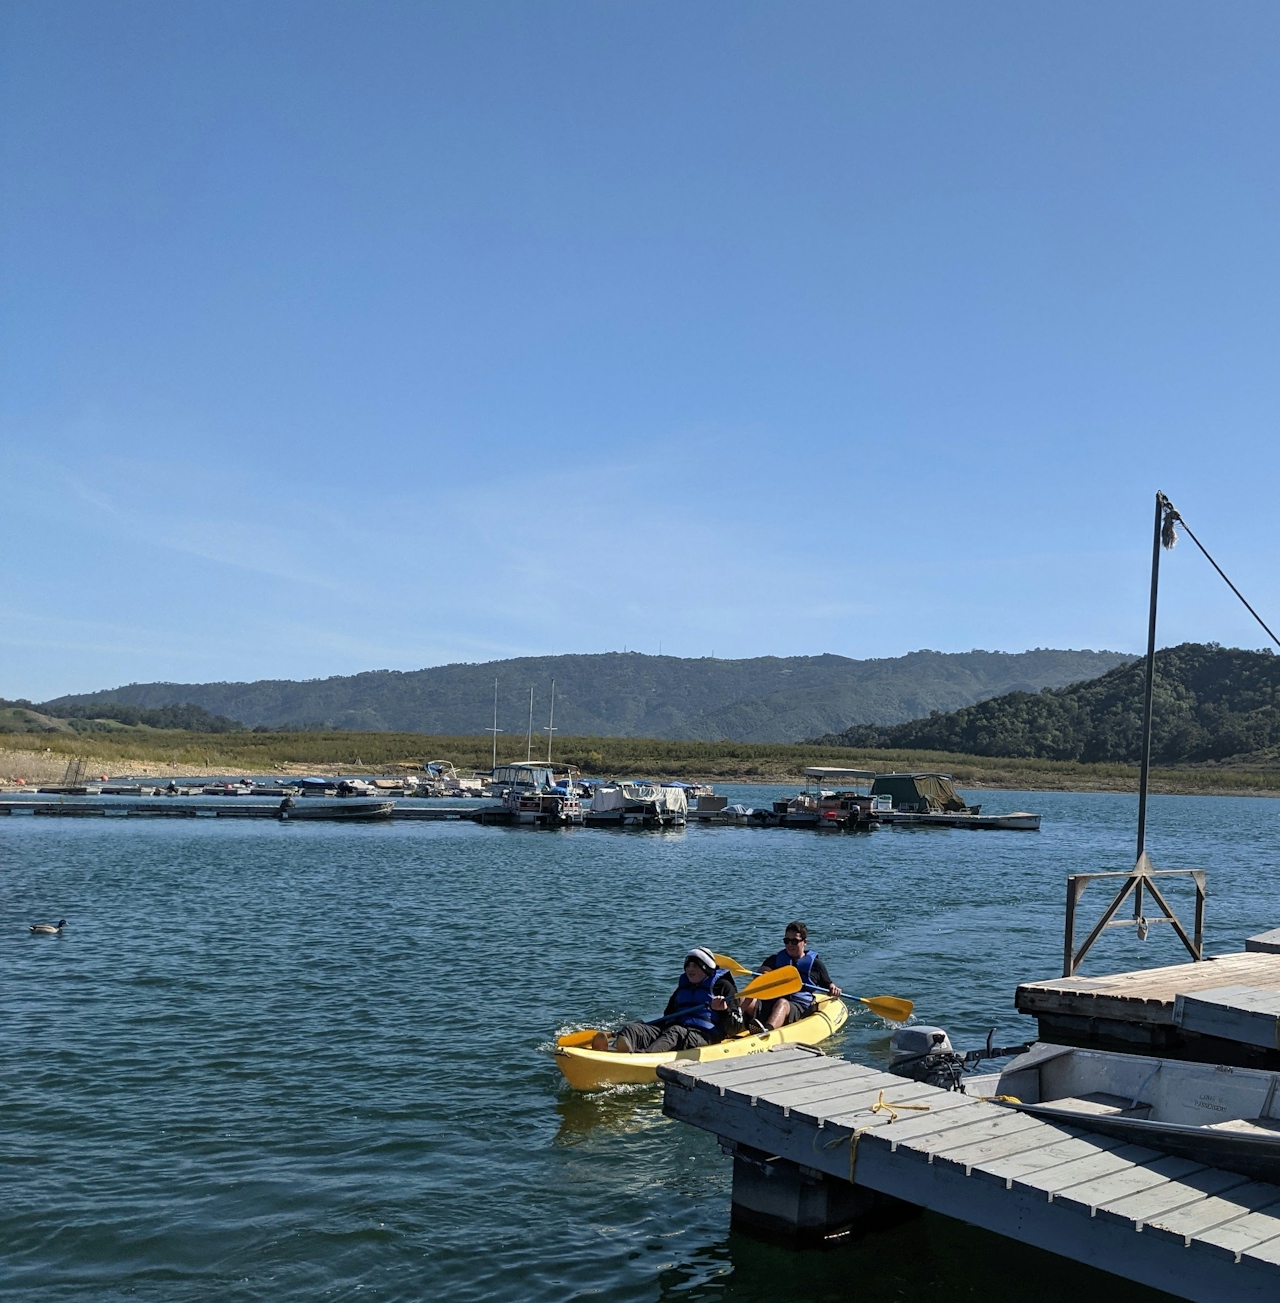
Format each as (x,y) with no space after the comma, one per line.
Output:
(772,985)
(729,962)
(888,1007)
(577,1038)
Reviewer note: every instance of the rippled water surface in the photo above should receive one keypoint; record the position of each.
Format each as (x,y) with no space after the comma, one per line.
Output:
(299,1062)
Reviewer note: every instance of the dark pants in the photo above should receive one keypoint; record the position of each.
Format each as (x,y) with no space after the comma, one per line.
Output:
(645,1038)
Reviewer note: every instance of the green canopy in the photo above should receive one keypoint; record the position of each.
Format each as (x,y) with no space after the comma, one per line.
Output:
(919,792)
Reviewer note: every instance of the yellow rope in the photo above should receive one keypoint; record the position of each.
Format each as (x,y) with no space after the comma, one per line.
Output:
(880,1106)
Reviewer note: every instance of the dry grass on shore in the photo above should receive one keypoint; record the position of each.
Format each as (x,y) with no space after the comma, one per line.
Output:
(42,758)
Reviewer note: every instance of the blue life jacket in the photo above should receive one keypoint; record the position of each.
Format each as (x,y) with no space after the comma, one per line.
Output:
(692,1006)
(804,996)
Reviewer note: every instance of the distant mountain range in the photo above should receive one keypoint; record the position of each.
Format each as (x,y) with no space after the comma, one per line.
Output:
(626,694)
(1210,703)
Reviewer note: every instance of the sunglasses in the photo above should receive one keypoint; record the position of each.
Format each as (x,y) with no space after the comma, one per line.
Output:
(793,941)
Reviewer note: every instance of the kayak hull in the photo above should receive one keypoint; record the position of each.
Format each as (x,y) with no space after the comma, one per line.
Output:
(586,1069)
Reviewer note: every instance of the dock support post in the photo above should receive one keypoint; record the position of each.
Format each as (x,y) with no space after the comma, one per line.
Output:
(801,1207)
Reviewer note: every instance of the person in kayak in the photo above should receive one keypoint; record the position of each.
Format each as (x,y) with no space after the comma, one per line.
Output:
(773,1014)
(703,1009)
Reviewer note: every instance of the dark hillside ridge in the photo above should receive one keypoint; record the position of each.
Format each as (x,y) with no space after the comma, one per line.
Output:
(23,717)
(627,694)
(1209,703)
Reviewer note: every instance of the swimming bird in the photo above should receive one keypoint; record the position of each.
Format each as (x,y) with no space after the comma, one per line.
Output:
(48,929)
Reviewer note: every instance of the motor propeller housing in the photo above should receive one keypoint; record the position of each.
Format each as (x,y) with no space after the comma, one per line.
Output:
(926,1054)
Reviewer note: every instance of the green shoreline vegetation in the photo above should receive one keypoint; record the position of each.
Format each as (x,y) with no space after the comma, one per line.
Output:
(267,753)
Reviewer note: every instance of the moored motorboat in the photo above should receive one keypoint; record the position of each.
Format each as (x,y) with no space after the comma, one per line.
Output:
(638,804)
(1018,821)
(348,809)
(533,794)
(1220,1116)
(586,1069)
(832,798)
(931,800)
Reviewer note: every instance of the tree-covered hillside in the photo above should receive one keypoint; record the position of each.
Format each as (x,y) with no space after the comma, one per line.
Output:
(1209,703)
(766,699)
(23,717)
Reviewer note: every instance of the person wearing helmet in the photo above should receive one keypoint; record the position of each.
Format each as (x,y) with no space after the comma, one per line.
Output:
(813,973)
(703,1009)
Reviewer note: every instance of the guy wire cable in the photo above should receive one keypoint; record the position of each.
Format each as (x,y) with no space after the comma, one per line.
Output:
(1175,517)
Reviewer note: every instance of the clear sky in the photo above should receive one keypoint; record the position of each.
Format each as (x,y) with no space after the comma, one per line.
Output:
(342,336)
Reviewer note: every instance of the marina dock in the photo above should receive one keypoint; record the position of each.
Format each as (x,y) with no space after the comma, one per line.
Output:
(224,807)
(821,1145)
(1142,1011)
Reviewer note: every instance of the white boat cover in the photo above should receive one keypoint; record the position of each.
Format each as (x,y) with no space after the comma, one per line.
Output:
(672,800)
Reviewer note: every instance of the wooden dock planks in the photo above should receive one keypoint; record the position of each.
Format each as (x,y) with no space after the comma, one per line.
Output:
(1193,1231)
(1148,996)
(1235,1013)
(1171,1010)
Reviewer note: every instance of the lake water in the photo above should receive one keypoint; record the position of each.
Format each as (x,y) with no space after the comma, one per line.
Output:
(310,1062)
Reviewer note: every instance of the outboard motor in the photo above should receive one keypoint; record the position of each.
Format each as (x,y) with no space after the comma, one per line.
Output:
(926,1054)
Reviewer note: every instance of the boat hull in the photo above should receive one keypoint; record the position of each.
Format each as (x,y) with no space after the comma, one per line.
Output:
(1019,821)
(346,810)
(1219,1116)
(587,1069)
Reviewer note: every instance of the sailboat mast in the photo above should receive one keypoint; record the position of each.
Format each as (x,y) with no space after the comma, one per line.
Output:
(528,752)
(551,722)
(495,730)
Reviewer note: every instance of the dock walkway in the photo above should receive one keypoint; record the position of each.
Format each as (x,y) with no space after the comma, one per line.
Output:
(1139,1011)
(796,1116)
(216,807)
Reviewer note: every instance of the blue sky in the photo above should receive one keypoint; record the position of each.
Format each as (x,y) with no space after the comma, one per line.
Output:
(345,336)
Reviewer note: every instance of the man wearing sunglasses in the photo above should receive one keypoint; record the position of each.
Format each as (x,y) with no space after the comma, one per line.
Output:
(813,973)
(703,1009)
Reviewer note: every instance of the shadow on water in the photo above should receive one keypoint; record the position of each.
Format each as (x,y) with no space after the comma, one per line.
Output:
(924,1257)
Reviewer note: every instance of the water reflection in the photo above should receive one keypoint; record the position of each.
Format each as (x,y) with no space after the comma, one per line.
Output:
(922,1258)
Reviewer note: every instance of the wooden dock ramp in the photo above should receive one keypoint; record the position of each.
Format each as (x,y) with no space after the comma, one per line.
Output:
(816,1139)
(1139,1011)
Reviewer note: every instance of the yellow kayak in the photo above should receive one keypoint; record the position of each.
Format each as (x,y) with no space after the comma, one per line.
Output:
(586,1069)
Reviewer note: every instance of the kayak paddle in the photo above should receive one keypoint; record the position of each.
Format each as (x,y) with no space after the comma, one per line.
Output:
(891,1008)
(772,985)
(731,964)
(768,986)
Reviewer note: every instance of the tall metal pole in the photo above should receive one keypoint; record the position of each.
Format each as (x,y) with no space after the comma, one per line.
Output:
(495,730)
(551,723)
(1161,502)
(528,750)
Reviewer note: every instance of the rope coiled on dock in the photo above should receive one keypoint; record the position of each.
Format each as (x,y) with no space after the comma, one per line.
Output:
(880,1106)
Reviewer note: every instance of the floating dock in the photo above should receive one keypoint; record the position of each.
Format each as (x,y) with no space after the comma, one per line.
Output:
(1143,1011)
(226,807)
(820,1144)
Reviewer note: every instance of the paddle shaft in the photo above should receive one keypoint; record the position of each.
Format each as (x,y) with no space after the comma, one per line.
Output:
(890,1007)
